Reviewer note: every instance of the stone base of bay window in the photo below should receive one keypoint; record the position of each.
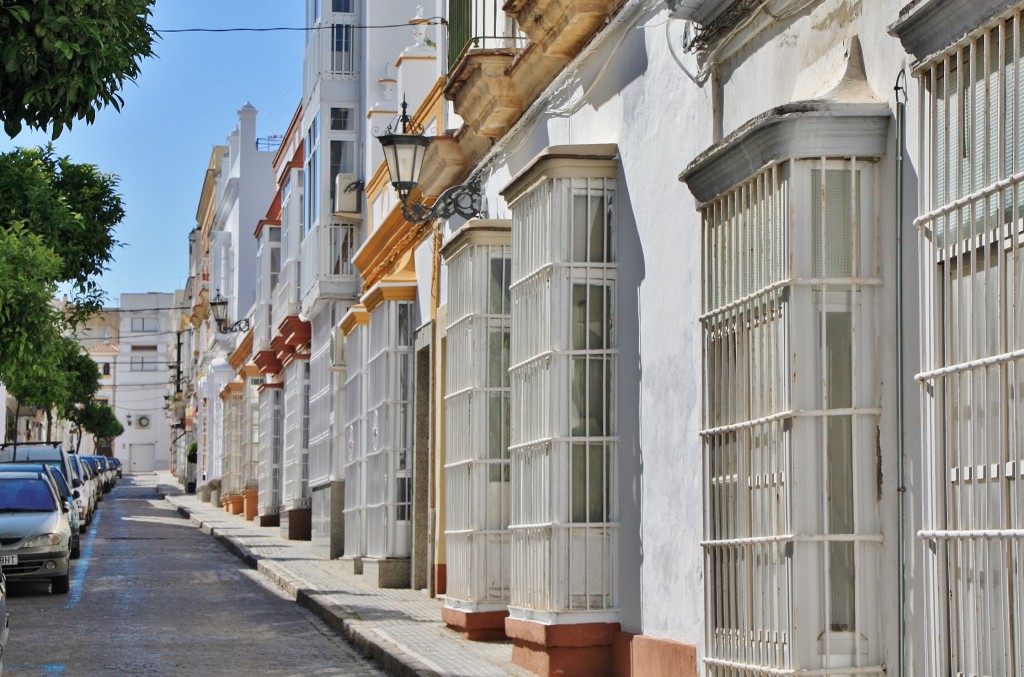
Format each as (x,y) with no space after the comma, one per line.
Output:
(567,650)
(478,625)
(250,503)
(643,656)
(296,524)
(352,565)
(269,519)
(440,579)
(328,527)
(232,504)
(388,572)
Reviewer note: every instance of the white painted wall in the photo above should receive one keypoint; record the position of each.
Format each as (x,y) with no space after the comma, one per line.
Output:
(635,87)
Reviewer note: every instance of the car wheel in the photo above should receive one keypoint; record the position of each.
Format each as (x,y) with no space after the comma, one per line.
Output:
(81,528)
(76,551)
(61,584)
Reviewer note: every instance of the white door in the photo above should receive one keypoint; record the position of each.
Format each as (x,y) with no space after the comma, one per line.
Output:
(141,457)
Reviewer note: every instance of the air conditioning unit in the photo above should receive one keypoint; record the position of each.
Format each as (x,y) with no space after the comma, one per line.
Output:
(346,194)
(143,421)
(338,349)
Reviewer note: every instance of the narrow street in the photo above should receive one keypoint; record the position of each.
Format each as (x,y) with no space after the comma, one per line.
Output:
(152,595)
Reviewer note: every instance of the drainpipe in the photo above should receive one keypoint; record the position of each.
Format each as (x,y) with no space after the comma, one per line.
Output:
(901,118)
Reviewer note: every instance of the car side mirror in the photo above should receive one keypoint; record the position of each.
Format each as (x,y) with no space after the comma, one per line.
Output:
(76,483)
(75,494)
(65,506)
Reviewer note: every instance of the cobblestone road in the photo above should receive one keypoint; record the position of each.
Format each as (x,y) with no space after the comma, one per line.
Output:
(152,595)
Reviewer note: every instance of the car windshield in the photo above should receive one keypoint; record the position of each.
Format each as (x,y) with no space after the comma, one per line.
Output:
(25,495)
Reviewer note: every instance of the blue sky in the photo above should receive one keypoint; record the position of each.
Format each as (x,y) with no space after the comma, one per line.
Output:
(183,104)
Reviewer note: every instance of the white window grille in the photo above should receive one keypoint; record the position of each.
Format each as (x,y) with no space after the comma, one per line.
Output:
(251,433)
(790,414)
(341,245)
(388,471)
(477,473)
(972,383)
(295,461)
(563,414)
(355,441)
(231,480)
(311,191)
(343,51)
(321,402)
(271,448)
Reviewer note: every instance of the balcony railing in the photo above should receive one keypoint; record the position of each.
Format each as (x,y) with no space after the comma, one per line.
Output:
(480,24)
(286,294)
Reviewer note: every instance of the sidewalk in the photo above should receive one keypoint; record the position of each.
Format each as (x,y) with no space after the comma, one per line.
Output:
(402,629)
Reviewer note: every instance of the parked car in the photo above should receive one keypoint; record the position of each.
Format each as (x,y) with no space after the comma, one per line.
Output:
(39,452)
(94,470)
(88,490)
(35,538)
(64,491)
(117,466)
(5,619)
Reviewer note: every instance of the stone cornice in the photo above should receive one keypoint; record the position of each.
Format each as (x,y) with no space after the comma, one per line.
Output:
(479,232)
(355,316)
(803,129)
(926,27)
(579,161)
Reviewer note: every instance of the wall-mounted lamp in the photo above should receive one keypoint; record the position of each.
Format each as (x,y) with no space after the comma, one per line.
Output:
(219,307)
(404,154)
(128,418)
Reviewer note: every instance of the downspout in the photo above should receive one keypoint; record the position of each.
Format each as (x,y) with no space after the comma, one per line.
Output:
(901,118)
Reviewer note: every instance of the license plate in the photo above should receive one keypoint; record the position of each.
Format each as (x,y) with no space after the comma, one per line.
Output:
(8,560)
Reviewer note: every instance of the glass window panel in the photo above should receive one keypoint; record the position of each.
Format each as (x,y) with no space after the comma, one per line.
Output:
(838,228)
(341,119)
(591,315)
(591,225)
(589,490)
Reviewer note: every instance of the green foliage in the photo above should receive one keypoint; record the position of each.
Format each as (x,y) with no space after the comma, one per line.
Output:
(48,387)
(73,207)
(63,60)
(192,454)
(30,325)
(99,419)
(82,377)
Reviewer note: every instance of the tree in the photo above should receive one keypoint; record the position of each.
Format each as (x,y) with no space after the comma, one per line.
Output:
(63,60)
(67,386)
(73,207)
(30,324)
(99,419)
(82,382)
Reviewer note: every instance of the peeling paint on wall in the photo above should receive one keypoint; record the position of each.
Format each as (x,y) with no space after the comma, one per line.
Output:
(842,15)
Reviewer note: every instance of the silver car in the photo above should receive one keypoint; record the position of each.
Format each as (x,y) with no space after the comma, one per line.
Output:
(35,537)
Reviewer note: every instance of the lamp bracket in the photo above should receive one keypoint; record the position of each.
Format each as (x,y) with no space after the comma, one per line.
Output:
(241,325)
(465,199)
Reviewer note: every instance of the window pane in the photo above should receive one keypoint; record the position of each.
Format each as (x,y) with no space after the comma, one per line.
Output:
(834,230)
(839,446)
(588,483)
(591,313)
(341,119)
(591,228)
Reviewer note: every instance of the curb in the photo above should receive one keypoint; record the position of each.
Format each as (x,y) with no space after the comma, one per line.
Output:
(343,621)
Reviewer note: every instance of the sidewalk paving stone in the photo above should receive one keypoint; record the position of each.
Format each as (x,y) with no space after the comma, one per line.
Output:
(400,628)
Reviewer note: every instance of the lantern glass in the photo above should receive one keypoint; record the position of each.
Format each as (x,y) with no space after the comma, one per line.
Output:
(404,156)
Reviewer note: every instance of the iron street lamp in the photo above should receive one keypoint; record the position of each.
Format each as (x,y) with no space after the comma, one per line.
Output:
(404,155)
(219,306)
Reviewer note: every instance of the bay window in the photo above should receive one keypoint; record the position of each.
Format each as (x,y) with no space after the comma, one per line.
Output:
(270,448)
(355,433)
(790,414)
(477,474)
(564,519)
(388,465)
(972,279)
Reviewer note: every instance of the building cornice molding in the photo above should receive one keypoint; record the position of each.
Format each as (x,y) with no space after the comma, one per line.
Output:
(927,27)
(577,161)
(803,129)
(479,232)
